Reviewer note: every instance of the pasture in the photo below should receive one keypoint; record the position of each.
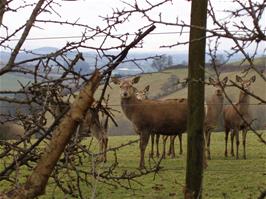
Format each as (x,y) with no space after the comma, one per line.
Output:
(224,178)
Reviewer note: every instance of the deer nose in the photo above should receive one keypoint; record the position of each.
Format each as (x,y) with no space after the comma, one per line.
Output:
(125,94)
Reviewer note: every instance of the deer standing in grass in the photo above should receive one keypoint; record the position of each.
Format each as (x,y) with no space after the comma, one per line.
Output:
(214,109)
(143,94)
(234,115)
(168,117)
(90,125)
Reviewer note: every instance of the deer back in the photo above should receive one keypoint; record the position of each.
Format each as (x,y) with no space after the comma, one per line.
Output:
(91,125)
(167,117)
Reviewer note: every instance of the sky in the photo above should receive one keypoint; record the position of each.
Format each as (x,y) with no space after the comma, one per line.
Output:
(89,12)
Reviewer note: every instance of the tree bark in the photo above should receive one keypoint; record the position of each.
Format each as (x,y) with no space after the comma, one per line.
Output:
(195,153)
(36,182)
(2,10)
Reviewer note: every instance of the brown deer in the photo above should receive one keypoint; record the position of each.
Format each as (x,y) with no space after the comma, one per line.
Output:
(143,94)
(89,126)
(171,151)
(167,117)
(214,109)
(11,130)
(233,115)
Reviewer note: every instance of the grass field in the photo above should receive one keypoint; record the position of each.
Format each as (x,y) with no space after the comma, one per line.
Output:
(224,178)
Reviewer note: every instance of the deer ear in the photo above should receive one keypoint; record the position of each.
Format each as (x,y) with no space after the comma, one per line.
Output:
(239,79)
(147,88)
(253,78)
(224,81)
(135,80)
(212,81)
(115,80)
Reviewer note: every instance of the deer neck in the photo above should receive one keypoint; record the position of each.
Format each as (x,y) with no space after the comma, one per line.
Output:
(129,105)
(243,103)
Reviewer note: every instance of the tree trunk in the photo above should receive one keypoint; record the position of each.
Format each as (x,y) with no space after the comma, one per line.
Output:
(194,172)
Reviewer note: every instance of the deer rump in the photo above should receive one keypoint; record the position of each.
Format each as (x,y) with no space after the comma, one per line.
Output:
(159,117)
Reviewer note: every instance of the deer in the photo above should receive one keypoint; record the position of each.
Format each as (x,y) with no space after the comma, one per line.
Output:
(171,151)
(236,116)
(168,117)
(89,126)
(11,130)
(214,109)
(143,94)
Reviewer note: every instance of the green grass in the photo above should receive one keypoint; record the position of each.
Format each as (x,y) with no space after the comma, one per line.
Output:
(224,178)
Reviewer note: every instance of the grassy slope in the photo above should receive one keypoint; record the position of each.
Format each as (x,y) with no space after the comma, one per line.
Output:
(257,61)
(224,178)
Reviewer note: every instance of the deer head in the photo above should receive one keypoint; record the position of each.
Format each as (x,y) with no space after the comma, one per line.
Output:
(218,85)
(245,83)
(143,94)
(127,89)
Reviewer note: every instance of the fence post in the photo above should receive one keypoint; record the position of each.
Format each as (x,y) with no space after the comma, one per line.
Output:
(194,172)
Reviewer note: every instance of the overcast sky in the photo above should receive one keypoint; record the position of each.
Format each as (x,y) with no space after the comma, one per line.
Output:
(89,12)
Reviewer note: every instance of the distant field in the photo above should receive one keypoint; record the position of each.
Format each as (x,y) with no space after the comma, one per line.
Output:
(224,178)
(259,61)
(11,82)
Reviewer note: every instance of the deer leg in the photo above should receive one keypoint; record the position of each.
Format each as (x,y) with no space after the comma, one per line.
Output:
(164,145)
(237,143)
(152,145)
(172,143)
(180,144)
(157,145)
(244,135)
(208,145)
(144,139)
(170,147)
(105,149)
(226,141)
(232,142)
